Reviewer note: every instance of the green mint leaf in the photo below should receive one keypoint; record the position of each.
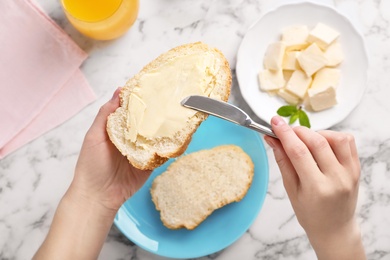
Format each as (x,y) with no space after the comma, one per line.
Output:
(303,119)
(293,118)
(294,113)
(287,110)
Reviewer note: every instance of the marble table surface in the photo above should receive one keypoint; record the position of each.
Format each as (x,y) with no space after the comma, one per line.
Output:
(34,178)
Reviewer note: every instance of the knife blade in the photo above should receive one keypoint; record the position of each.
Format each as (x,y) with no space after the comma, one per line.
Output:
(225,111)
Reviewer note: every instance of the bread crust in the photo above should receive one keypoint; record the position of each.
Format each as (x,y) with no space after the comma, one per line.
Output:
(164,188)
(151,154)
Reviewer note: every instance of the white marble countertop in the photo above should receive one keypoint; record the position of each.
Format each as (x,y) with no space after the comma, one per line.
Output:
(34,178)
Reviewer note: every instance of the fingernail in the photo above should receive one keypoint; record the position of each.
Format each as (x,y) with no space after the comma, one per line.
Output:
(277,121)
(116,94)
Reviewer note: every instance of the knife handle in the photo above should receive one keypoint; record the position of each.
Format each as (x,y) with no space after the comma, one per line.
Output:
(261,129)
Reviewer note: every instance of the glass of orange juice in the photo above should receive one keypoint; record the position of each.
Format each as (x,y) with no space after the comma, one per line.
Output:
(101,19)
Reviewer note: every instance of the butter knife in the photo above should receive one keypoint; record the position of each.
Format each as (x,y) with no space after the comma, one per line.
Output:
(225,111)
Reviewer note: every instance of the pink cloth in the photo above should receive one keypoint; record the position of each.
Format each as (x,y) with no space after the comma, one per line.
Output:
(41,85)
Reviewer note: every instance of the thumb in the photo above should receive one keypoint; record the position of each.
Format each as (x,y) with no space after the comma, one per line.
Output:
(99,124)
(289,175)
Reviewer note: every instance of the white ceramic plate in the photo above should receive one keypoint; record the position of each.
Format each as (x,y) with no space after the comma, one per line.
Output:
(268,29)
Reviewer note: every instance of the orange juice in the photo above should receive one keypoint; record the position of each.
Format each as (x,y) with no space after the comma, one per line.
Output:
(101,19)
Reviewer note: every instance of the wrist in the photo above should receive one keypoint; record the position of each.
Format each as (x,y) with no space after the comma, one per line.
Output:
(344,243)
(105,192)
(87,204)
(78,230)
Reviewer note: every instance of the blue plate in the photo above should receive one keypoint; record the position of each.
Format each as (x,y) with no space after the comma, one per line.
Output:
(140,222)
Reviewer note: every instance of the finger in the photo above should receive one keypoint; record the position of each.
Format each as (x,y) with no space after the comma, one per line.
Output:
(97,131)
(106,110)
(295,149)
(355,157)
(354,151)
(344,147)
(341,146)
(319,148)
(289,175)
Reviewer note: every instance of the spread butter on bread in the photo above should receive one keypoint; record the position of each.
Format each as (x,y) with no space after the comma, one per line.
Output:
(151,126)
(196,184)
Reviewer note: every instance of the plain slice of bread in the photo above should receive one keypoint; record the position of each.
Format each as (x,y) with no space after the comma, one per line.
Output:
(149,153)
(196,184)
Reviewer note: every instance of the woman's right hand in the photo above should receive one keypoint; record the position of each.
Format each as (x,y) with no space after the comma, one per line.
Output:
(321,172)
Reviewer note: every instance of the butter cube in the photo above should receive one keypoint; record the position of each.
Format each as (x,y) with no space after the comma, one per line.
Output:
(287,74)
(295,37)
(322,93)
(290,61)
(326,77)
(323,98)
(271,80)
(273,57)
(312,59)
(298,83)
(322,35)
(334,54)
(288,97)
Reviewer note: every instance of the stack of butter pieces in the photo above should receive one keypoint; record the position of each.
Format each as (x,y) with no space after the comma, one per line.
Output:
(302,66)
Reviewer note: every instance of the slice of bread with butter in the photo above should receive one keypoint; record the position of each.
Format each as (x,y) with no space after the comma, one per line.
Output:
(151,126)
(196,184)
